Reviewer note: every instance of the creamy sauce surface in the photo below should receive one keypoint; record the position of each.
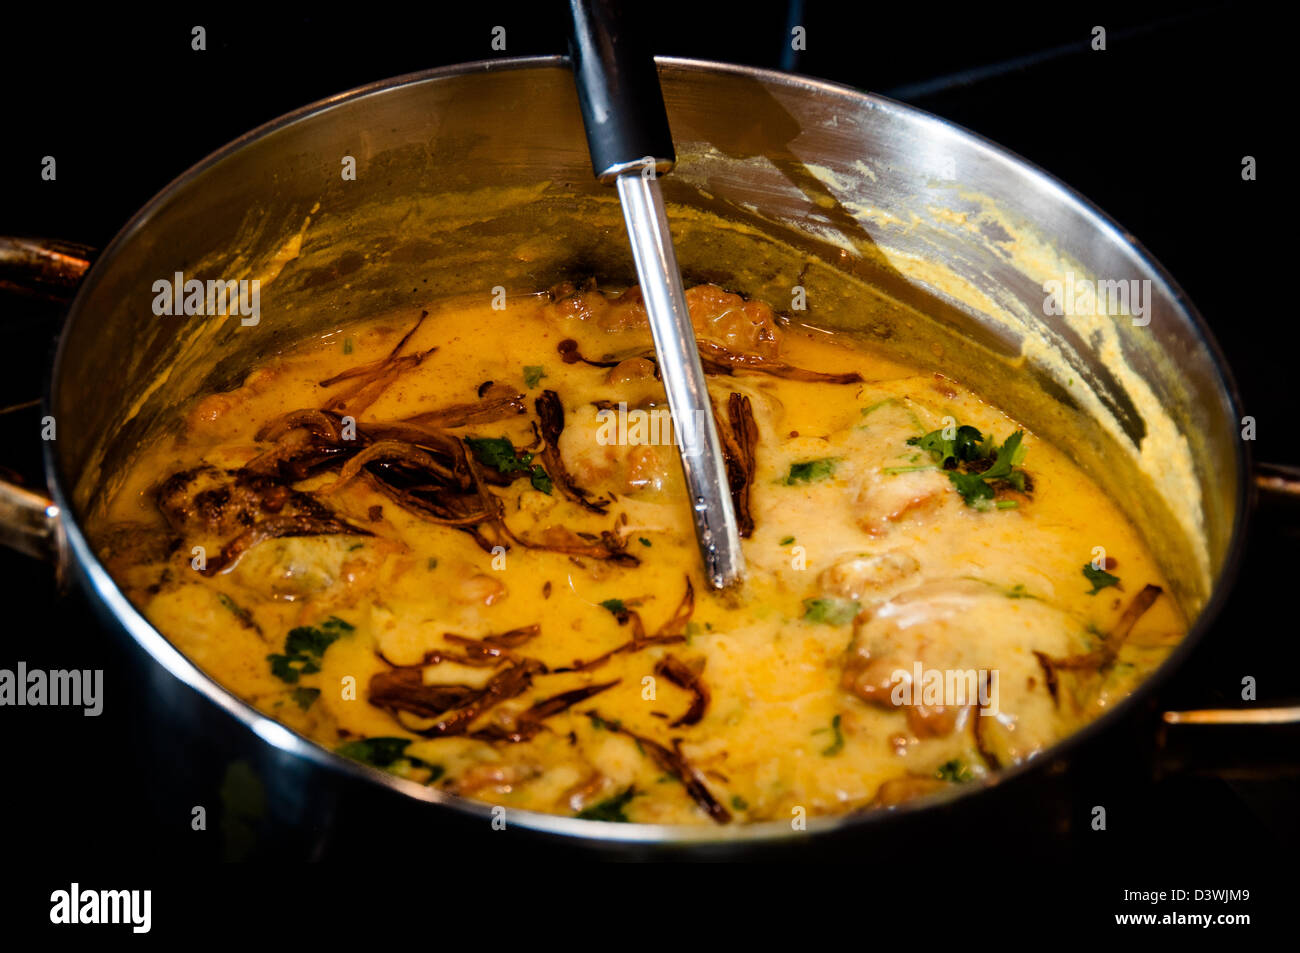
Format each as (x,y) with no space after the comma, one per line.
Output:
(566,655)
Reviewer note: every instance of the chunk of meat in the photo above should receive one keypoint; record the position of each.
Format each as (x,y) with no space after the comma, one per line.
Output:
(634,369)
(927,651)
(299,567)
(480,589)
(604,453)
(746,326)
(858,576)
(886,499)
(741,325)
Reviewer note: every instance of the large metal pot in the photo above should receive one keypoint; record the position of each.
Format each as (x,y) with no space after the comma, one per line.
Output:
(898,226)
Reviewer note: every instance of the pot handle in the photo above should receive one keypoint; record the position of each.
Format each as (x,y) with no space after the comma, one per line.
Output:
(48,271)
(44,268)
(1246,742)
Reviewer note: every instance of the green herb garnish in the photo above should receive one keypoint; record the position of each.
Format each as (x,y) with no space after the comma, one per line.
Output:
(963,447)
(963,458)
(305,697)
(829,611)
(533,373)
(809,471)
(500,454)
(387,753)
(955,771)
(836,746)
(1099,578)
(303,648)
(610,809)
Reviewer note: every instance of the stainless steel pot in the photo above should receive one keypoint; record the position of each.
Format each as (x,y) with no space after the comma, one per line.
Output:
(897,226)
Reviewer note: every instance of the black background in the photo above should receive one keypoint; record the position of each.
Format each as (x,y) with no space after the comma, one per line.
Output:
(1153,129)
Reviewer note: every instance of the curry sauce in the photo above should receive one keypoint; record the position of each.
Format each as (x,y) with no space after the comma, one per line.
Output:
(456,545)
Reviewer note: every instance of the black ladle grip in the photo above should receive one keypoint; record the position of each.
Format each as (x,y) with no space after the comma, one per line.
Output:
(618,89)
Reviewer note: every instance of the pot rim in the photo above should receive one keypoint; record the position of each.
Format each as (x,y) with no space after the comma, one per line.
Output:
(106,591)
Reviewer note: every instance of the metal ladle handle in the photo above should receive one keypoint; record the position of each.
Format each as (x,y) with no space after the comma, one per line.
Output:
(630,144)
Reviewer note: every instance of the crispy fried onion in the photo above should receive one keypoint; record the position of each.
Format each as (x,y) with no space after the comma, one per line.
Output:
(716,359)
(557,539)
(684,677)
(671,632)
(496,402)
(453,708)
(305,440)
(373,378)
(672,761)
(392,452)
(416,462)
(739,436)
(1103,657)
(551,414)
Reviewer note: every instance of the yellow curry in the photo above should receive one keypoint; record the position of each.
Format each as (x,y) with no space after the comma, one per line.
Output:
(455,545)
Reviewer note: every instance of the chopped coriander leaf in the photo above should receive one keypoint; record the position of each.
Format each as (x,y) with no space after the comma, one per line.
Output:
(1099,578)
(971,487)
(787,541)
(615,606)
(305,697)
(303,648)
(540,480)
(432,563)
(836,746)
(500,454)
(380,752)
(809,471)
(314,640)
(643,541)
(739,803)
(961,456)
(389,753)
(347,345)
(610,809)
(533,373)
(282,669)
(962,447)
(955,770)
(829,611)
